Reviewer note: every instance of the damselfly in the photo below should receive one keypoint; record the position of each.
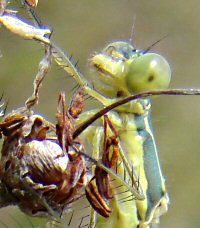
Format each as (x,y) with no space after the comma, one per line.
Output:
(27,156)
(89,87)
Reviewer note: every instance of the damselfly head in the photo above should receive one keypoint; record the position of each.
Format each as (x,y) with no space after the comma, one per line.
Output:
(123,70)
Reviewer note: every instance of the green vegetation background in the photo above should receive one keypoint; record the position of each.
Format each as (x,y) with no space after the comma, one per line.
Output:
(83,27)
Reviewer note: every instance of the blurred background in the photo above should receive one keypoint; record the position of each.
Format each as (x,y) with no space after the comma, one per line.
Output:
(85,27)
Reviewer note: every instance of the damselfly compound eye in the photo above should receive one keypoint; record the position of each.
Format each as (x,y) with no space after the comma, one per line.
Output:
(148,72)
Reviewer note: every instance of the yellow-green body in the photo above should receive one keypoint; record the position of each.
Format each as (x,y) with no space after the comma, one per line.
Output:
(121,71)
(136,140)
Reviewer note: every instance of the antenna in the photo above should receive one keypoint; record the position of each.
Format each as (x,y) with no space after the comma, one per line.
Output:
(152,45)
(132,30)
